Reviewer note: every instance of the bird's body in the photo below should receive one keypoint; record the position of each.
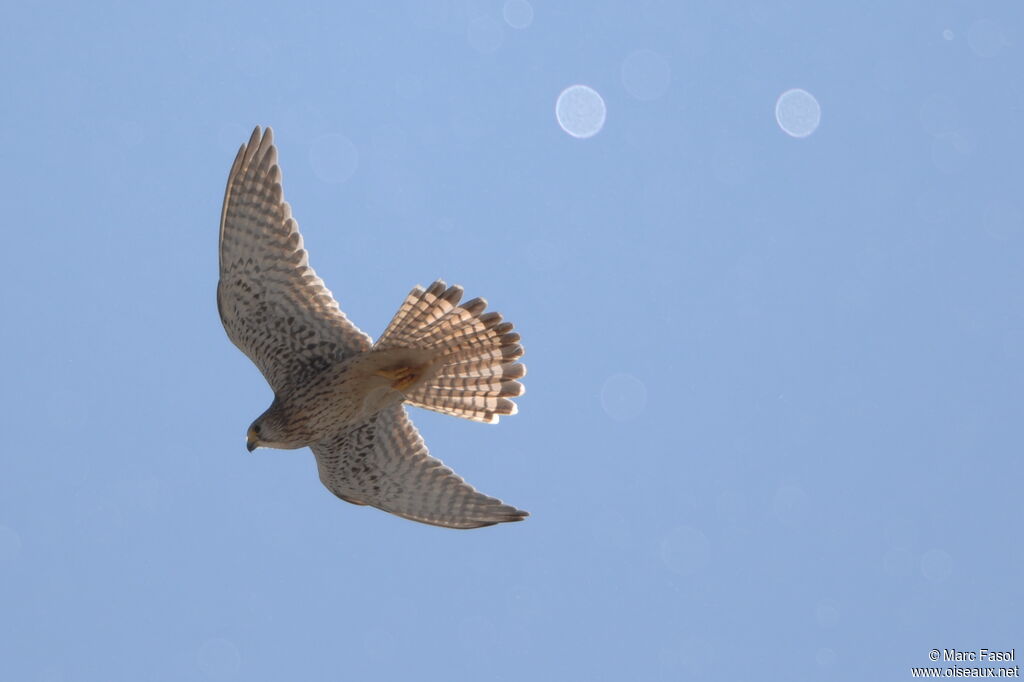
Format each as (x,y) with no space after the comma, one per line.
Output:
(334,390)
(339,397)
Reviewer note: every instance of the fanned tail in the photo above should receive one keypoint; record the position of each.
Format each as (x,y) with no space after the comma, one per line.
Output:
(475,370)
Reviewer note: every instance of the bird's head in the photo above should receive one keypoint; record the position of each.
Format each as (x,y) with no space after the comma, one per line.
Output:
(272,430)
(252,437)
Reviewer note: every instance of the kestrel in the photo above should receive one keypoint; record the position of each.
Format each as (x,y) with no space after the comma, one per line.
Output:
(335,390)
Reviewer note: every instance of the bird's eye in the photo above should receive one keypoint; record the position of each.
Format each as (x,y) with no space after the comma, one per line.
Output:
(256,429)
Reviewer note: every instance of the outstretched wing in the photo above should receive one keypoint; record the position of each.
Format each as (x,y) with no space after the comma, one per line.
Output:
(385,463)
(272,304)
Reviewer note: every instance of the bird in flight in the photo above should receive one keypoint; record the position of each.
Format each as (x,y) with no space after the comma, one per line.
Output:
(335,390)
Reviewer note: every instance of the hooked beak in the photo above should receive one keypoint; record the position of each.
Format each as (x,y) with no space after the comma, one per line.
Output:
(250,441)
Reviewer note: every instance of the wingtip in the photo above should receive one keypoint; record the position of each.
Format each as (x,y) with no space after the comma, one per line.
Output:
(514,516)
(519,515)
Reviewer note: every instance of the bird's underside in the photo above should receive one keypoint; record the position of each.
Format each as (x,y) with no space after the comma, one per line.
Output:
(336,391)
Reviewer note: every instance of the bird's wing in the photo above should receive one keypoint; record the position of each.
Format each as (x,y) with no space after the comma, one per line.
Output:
(272,304)
(385,463)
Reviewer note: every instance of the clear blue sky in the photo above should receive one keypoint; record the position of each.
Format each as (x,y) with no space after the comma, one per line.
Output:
(772,427)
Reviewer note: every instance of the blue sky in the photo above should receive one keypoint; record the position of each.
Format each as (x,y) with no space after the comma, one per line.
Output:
(772,421)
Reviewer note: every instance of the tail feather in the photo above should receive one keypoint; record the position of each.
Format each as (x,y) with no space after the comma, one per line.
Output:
(491,364)
(466,338)
(474,412)
(474,372)
(487,386)
(459,329)
(477,370)
(475,408)
(420,309)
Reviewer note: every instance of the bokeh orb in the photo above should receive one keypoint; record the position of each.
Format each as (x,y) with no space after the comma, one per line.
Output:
(623,397)
(986,38)
(797,112)
(517,13)
(580,111)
